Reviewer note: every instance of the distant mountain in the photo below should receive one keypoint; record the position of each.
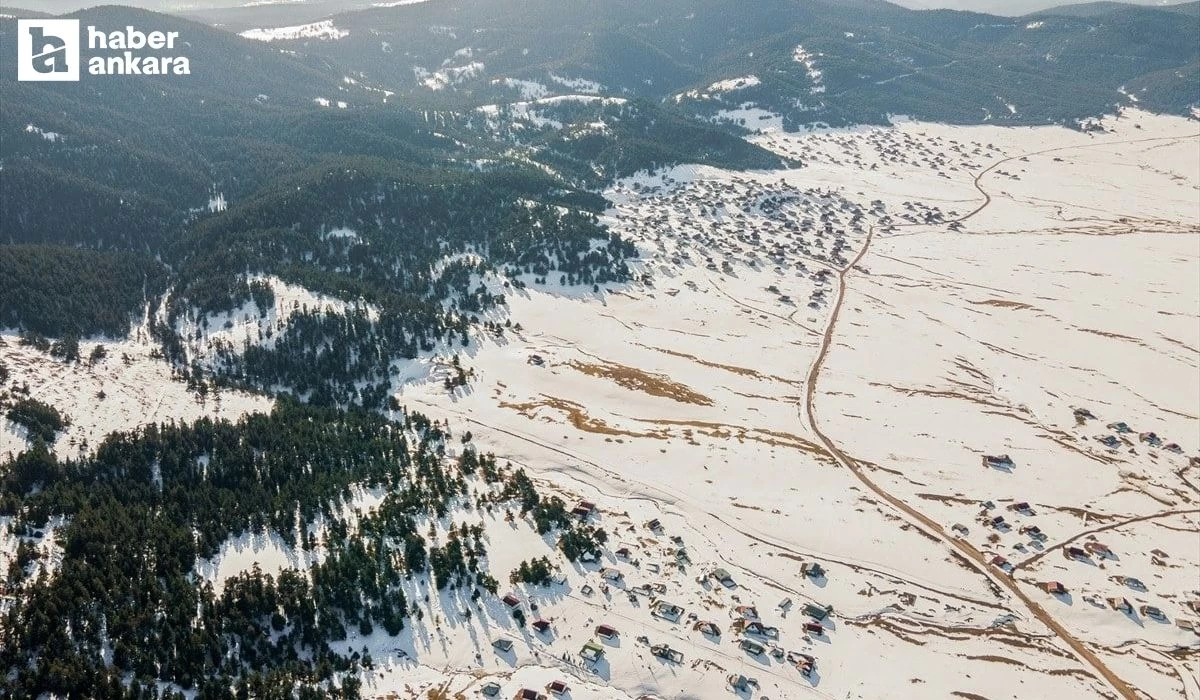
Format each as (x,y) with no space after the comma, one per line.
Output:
(241,14)
(809,60)
(241,17)
(1099,9)
(169,6)
(140,157)
(136,153)
(217,12)
(1017,8)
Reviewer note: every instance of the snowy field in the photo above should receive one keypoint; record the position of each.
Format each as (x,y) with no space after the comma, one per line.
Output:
(131,387)
(973,325)
(811,369)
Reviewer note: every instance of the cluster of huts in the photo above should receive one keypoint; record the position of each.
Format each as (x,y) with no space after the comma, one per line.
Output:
(1124,436)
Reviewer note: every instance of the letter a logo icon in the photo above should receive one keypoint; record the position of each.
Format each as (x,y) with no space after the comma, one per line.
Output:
(48,49)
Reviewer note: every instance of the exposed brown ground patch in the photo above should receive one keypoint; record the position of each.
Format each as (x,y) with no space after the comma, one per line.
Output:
(764,397)
(578,416)
(958,500)
(995,408)
(1001,635)
(639,380)
(442,692)
(1180,343)
(1076,672)
(995,659)
(967,366)
(1115,336)
(580,419)
(1003,303)
(774,438)
(1083,513)
(898,632)
(939,394)
(878,467)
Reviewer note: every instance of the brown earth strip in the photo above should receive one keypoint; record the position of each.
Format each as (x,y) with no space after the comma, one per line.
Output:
(639,380)
(1004,303)
(1103,528)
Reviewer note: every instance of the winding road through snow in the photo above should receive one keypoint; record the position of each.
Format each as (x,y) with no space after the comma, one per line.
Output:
(918,519)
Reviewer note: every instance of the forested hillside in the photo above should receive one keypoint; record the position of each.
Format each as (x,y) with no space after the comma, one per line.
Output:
(411,247)
(58,291)
(245,167)
(179,491)
(814,60)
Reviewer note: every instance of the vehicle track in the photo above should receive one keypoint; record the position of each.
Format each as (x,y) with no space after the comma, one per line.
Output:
(671,503)
(919,519)
(1111,526)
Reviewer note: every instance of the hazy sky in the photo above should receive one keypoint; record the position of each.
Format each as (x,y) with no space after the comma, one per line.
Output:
(1000,7)
(1009,7)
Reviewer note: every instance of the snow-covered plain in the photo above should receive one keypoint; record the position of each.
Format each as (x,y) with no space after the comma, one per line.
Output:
(990,290)
(684,399)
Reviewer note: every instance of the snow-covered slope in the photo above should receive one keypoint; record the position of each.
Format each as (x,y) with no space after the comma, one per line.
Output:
(810,370)
(233,330)
(132,386)
(976,322)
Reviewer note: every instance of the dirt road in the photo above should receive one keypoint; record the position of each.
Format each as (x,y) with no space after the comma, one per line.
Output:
(918,519)
(1111,526)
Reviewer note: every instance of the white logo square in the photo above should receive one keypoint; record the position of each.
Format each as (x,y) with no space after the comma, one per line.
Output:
(48,50)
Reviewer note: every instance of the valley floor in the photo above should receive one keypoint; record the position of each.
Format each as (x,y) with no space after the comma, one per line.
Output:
(767,431)
(811,370)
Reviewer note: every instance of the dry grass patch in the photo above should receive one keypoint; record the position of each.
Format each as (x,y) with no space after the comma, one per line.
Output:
(640,380)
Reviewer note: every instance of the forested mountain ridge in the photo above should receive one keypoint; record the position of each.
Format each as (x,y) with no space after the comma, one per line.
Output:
(56,291)
(1103,7)
(202,173)
(412,247)
(133,156)
(447,128)
(816,61)
(237,171)
(469,132)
